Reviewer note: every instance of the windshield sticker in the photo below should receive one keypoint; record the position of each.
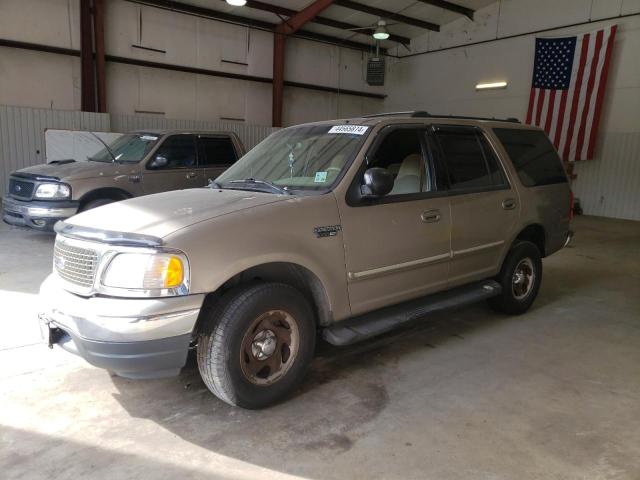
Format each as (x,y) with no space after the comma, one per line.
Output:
(148,138)
(321,177)
(354,129)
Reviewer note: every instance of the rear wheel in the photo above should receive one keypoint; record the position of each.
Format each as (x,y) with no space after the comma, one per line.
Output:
(257,344)
(520,278)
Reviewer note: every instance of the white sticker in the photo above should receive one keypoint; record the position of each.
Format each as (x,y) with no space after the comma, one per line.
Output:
(148,138)
(354,129)
(321,177)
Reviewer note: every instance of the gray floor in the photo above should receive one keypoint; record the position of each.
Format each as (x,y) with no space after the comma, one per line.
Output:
(471,394)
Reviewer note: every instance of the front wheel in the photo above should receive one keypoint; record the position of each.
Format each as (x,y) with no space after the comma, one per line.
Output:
(520,278)
(257,344)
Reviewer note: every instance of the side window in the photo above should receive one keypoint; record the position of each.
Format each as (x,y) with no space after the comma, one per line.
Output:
(179,152)
(533,156)
(470,161)
(216,152)
(401,154)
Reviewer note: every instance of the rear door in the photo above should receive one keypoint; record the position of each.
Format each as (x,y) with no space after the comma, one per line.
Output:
(484,206)
(216,153)
(179,171)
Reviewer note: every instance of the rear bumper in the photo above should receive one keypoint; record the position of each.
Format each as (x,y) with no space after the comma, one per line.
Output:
(135,338)
(37,215)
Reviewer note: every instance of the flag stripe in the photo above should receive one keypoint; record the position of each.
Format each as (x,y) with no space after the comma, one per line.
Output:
(550,111)
(601,90)
(587,115)
(541,94)
(576,97)
(532,98)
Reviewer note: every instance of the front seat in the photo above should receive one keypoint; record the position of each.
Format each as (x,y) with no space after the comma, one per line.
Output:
(408,179)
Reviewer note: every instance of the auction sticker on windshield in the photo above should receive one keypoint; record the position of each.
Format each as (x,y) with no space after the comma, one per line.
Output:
(354,129)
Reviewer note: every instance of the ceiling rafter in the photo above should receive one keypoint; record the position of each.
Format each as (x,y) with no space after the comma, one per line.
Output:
(327,22)
(452,7)
(189,9)
(378,12)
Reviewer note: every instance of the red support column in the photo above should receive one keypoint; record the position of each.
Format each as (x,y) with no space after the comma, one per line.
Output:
(98,32)
(87,74)
(288,27)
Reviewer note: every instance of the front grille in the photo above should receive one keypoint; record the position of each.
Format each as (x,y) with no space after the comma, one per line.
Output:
(75,264)
(20,188)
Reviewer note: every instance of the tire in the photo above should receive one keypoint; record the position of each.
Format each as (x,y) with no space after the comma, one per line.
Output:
(240,361)
(97,203)
(520,278)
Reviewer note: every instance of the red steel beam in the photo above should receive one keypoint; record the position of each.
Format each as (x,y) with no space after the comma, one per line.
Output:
(288,27)
(87,77)
(98,31)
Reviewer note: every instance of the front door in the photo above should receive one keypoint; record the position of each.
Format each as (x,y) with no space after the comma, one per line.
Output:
(216,153)
(484,207)
(397,247)
(173,166)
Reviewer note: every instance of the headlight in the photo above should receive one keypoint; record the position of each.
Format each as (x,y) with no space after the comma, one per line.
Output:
(147,274)
(53,190)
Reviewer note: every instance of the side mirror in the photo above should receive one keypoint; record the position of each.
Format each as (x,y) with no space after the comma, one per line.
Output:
(377,183)
(159,162)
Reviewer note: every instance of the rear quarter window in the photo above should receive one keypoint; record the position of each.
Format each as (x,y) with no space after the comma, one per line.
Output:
(533,156)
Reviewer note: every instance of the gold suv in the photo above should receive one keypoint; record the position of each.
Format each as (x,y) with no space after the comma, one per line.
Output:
(343,229)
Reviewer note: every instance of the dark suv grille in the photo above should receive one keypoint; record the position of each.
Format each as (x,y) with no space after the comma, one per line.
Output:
(20,188)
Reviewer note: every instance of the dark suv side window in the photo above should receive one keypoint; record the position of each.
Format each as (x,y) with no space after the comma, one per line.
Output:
(533,155)
(179,150)
(470,160)
(216,151)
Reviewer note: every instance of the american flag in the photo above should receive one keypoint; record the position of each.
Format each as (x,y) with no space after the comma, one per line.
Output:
(569,80)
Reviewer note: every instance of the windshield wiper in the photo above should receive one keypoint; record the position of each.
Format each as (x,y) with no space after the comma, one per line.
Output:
(114,159)
(214,185)
(271,185)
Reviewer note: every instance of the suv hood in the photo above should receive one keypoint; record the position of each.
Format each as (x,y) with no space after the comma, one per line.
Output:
(164,213)
(74,170)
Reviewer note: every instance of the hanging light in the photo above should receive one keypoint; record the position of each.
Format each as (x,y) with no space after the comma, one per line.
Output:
(381,32)
(237,3)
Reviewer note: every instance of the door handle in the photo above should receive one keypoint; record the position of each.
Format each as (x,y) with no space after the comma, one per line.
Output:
(509,204)
(430,216)
(191,175)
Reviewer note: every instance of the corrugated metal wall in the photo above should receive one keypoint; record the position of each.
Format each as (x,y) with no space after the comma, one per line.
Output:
(609,185)
(22,134)
(250,135)
(22,139)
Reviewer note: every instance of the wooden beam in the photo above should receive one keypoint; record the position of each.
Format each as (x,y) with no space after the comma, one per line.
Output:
(87,75)
(378,12)
(289,27)
(98,32)
(327,22)
(452,7)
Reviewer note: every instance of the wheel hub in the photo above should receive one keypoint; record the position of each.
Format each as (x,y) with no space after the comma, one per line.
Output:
(264,344)
(523,279)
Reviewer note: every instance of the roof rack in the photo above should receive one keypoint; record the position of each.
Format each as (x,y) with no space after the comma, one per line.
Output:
(425,114)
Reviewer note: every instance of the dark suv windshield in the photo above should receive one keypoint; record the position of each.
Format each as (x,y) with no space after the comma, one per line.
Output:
(128,148)
(298,158)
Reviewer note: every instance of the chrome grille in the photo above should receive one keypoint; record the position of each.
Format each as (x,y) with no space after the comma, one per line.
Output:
(74,264)
(20,188)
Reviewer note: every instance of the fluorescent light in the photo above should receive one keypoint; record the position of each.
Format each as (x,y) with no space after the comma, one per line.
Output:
(489,86)
(237,3)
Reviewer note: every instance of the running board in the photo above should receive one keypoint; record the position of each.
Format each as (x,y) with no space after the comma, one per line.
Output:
(384,320)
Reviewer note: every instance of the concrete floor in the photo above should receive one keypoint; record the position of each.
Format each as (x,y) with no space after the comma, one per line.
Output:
(471,394)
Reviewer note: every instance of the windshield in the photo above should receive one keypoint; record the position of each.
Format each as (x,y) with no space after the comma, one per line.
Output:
(297,158)
(128,148)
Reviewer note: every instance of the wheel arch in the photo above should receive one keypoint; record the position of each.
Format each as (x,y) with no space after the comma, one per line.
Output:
(293,274)
(536,234)
(106,192)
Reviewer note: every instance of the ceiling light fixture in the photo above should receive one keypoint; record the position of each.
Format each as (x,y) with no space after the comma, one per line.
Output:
(491,86)
(237,3)
(381,32)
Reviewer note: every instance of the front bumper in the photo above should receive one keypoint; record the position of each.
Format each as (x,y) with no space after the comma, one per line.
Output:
(134,338)
(37,214)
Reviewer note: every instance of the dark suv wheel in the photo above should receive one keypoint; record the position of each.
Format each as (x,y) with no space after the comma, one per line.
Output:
(257,344)
(520,278)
